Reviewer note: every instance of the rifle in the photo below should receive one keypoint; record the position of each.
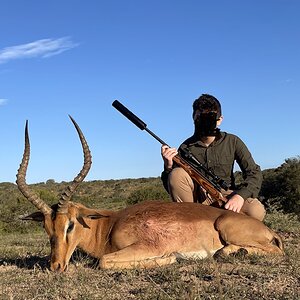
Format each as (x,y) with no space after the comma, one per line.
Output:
(210,182)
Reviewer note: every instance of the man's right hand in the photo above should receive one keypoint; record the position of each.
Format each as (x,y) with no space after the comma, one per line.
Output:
(167,154)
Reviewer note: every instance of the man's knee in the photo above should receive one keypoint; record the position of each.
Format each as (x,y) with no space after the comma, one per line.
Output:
(254,208)
(181,185)
(179,177)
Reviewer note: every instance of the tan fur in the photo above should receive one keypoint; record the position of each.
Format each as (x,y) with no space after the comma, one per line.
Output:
(151,234)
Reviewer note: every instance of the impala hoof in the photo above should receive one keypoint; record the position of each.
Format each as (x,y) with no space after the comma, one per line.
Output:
(220,256)
(241,253)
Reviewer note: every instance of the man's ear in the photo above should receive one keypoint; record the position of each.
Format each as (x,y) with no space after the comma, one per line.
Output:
(36,216)
(90,213)
(220,121)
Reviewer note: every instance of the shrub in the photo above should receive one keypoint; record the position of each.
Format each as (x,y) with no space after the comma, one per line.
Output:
(281,187)
(147,193)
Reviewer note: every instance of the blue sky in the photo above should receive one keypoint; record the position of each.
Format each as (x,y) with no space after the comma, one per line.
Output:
(156,57)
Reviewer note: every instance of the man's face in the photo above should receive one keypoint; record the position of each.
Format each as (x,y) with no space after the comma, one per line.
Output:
(206,122)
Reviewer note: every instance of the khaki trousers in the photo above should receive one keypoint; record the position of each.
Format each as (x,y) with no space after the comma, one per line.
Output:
(183,189)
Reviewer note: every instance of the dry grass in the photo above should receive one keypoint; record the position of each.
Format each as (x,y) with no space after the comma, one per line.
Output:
(24,274)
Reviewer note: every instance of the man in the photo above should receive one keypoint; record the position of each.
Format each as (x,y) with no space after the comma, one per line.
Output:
(217,151)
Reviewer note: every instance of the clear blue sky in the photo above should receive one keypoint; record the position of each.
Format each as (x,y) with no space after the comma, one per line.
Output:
(156,57)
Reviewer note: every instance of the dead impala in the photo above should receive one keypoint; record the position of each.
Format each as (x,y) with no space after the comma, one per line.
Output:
(144,235)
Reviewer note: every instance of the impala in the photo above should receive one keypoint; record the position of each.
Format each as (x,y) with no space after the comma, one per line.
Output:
(147,234)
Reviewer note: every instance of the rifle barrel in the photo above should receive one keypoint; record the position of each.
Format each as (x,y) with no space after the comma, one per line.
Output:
(135,119)
(129,115)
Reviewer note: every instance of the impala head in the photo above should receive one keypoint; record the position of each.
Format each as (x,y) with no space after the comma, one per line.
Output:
(64,222)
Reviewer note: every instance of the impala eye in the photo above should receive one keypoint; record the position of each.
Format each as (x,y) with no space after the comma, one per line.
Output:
(71,227)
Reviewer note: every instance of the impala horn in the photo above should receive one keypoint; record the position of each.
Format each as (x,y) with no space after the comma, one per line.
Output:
(21,179)
(67,194)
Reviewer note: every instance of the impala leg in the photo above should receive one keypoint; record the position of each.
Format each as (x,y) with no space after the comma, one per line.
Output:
(239,231)
(135,256)
(230,249)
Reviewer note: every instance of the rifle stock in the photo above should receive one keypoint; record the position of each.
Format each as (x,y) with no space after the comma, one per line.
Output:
(211,188)
(213,191)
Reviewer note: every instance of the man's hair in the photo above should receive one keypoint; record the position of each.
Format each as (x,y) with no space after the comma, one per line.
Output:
(207,103)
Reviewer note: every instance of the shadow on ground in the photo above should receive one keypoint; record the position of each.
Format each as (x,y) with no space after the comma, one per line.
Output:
(42,262)
(30,262)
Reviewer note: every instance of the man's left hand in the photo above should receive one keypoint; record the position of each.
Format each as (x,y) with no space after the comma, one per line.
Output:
(235,203)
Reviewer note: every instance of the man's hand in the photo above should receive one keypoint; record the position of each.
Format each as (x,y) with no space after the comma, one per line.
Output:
(167,154)
(235,203)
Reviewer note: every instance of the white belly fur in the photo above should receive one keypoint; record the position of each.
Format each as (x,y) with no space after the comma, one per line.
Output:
(195,254)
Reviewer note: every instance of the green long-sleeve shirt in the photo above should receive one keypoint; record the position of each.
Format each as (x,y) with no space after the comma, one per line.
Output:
(220,157)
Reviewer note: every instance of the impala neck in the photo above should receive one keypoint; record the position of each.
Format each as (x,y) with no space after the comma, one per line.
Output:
(95,239)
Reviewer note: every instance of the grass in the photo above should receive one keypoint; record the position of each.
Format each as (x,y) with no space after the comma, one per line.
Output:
(24,256)
(24,273)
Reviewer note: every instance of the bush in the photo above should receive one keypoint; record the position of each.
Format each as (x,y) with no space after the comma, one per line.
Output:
(281,187)
(147,193)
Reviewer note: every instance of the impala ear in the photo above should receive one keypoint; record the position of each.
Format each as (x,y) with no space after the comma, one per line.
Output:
(90,213)
(36,216)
